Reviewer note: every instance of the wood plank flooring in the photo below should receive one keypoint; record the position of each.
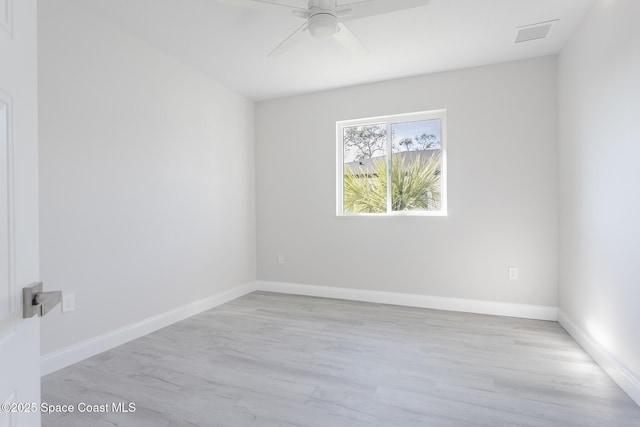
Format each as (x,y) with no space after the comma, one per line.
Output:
(281,360)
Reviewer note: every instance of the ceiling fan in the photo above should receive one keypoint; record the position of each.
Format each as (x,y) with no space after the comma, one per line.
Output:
(325,18)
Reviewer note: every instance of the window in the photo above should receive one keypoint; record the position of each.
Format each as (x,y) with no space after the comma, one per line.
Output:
(392,165)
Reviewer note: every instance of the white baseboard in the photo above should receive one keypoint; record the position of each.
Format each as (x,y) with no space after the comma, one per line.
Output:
(62,358)
(525,311)
(620,374)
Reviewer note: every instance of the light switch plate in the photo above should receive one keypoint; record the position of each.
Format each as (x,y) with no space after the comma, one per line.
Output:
(68,302)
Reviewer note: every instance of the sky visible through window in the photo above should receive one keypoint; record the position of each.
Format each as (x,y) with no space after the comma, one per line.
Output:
(402,131)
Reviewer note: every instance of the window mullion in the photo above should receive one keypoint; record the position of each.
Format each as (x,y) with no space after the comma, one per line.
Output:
(389,166)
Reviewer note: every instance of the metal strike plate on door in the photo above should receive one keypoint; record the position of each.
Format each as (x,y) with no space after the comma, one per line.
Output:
(37,302)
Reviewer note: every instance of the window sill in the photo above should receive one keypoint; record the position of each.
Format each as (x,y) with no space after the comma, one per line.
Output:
(402,214)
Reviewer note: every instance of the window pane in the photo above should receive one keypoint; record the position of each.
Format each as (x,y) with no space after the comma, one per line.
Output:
(365,168)
(416,166)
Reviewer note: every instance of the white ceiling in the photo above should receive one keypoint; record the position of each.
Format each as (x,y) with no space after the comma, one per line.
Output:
(231,44)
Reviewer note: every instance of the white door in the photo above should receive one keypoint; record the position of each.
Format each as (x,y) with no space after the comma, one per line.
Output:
(19,339)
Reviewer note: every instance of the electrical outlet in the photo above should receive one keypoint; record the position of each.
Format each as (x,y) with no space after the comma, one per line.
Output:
(68,302)
(280,259)
(513,273)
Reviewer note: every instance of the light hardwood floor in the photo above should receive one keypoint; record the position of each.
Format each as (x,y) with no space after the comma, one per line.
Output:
(282,360)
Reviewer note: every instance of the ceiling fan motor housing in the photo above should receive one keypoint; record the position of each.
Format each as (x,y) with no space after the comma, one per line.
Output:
(323,20)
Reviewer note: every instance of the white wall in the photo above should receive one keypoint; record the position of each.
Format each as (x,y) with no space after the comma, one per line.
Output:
(502,189)
(599,110)
(147,178)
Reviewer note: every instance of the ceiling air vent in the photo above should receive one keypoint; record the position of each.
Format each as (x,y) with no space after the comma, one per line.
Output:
(534,31)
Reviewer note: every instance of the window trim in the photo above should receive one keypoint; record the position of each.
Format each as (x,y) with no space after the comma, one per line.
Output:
(440,114)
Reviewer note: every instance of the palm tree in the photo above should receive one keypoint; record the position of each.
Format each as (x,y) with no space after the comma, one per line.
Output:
(415,185)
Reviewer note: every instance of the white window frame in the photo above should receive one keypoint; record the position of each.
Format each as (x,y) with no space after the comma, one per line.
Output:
(389,120)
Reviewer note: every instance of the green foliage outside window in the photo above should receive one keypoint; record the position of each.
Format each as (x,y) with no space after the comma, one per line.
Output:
(415,184)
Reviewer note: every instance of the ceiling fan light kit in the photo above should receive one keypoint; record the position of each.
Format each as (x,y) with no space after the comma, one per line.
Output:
(323,25)
(325,19)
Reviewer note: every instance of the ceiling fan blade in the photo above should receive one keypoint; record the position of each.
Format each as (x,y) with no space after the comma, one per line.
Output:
(294,38)
(347,39)
(368,8)
(268,6)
